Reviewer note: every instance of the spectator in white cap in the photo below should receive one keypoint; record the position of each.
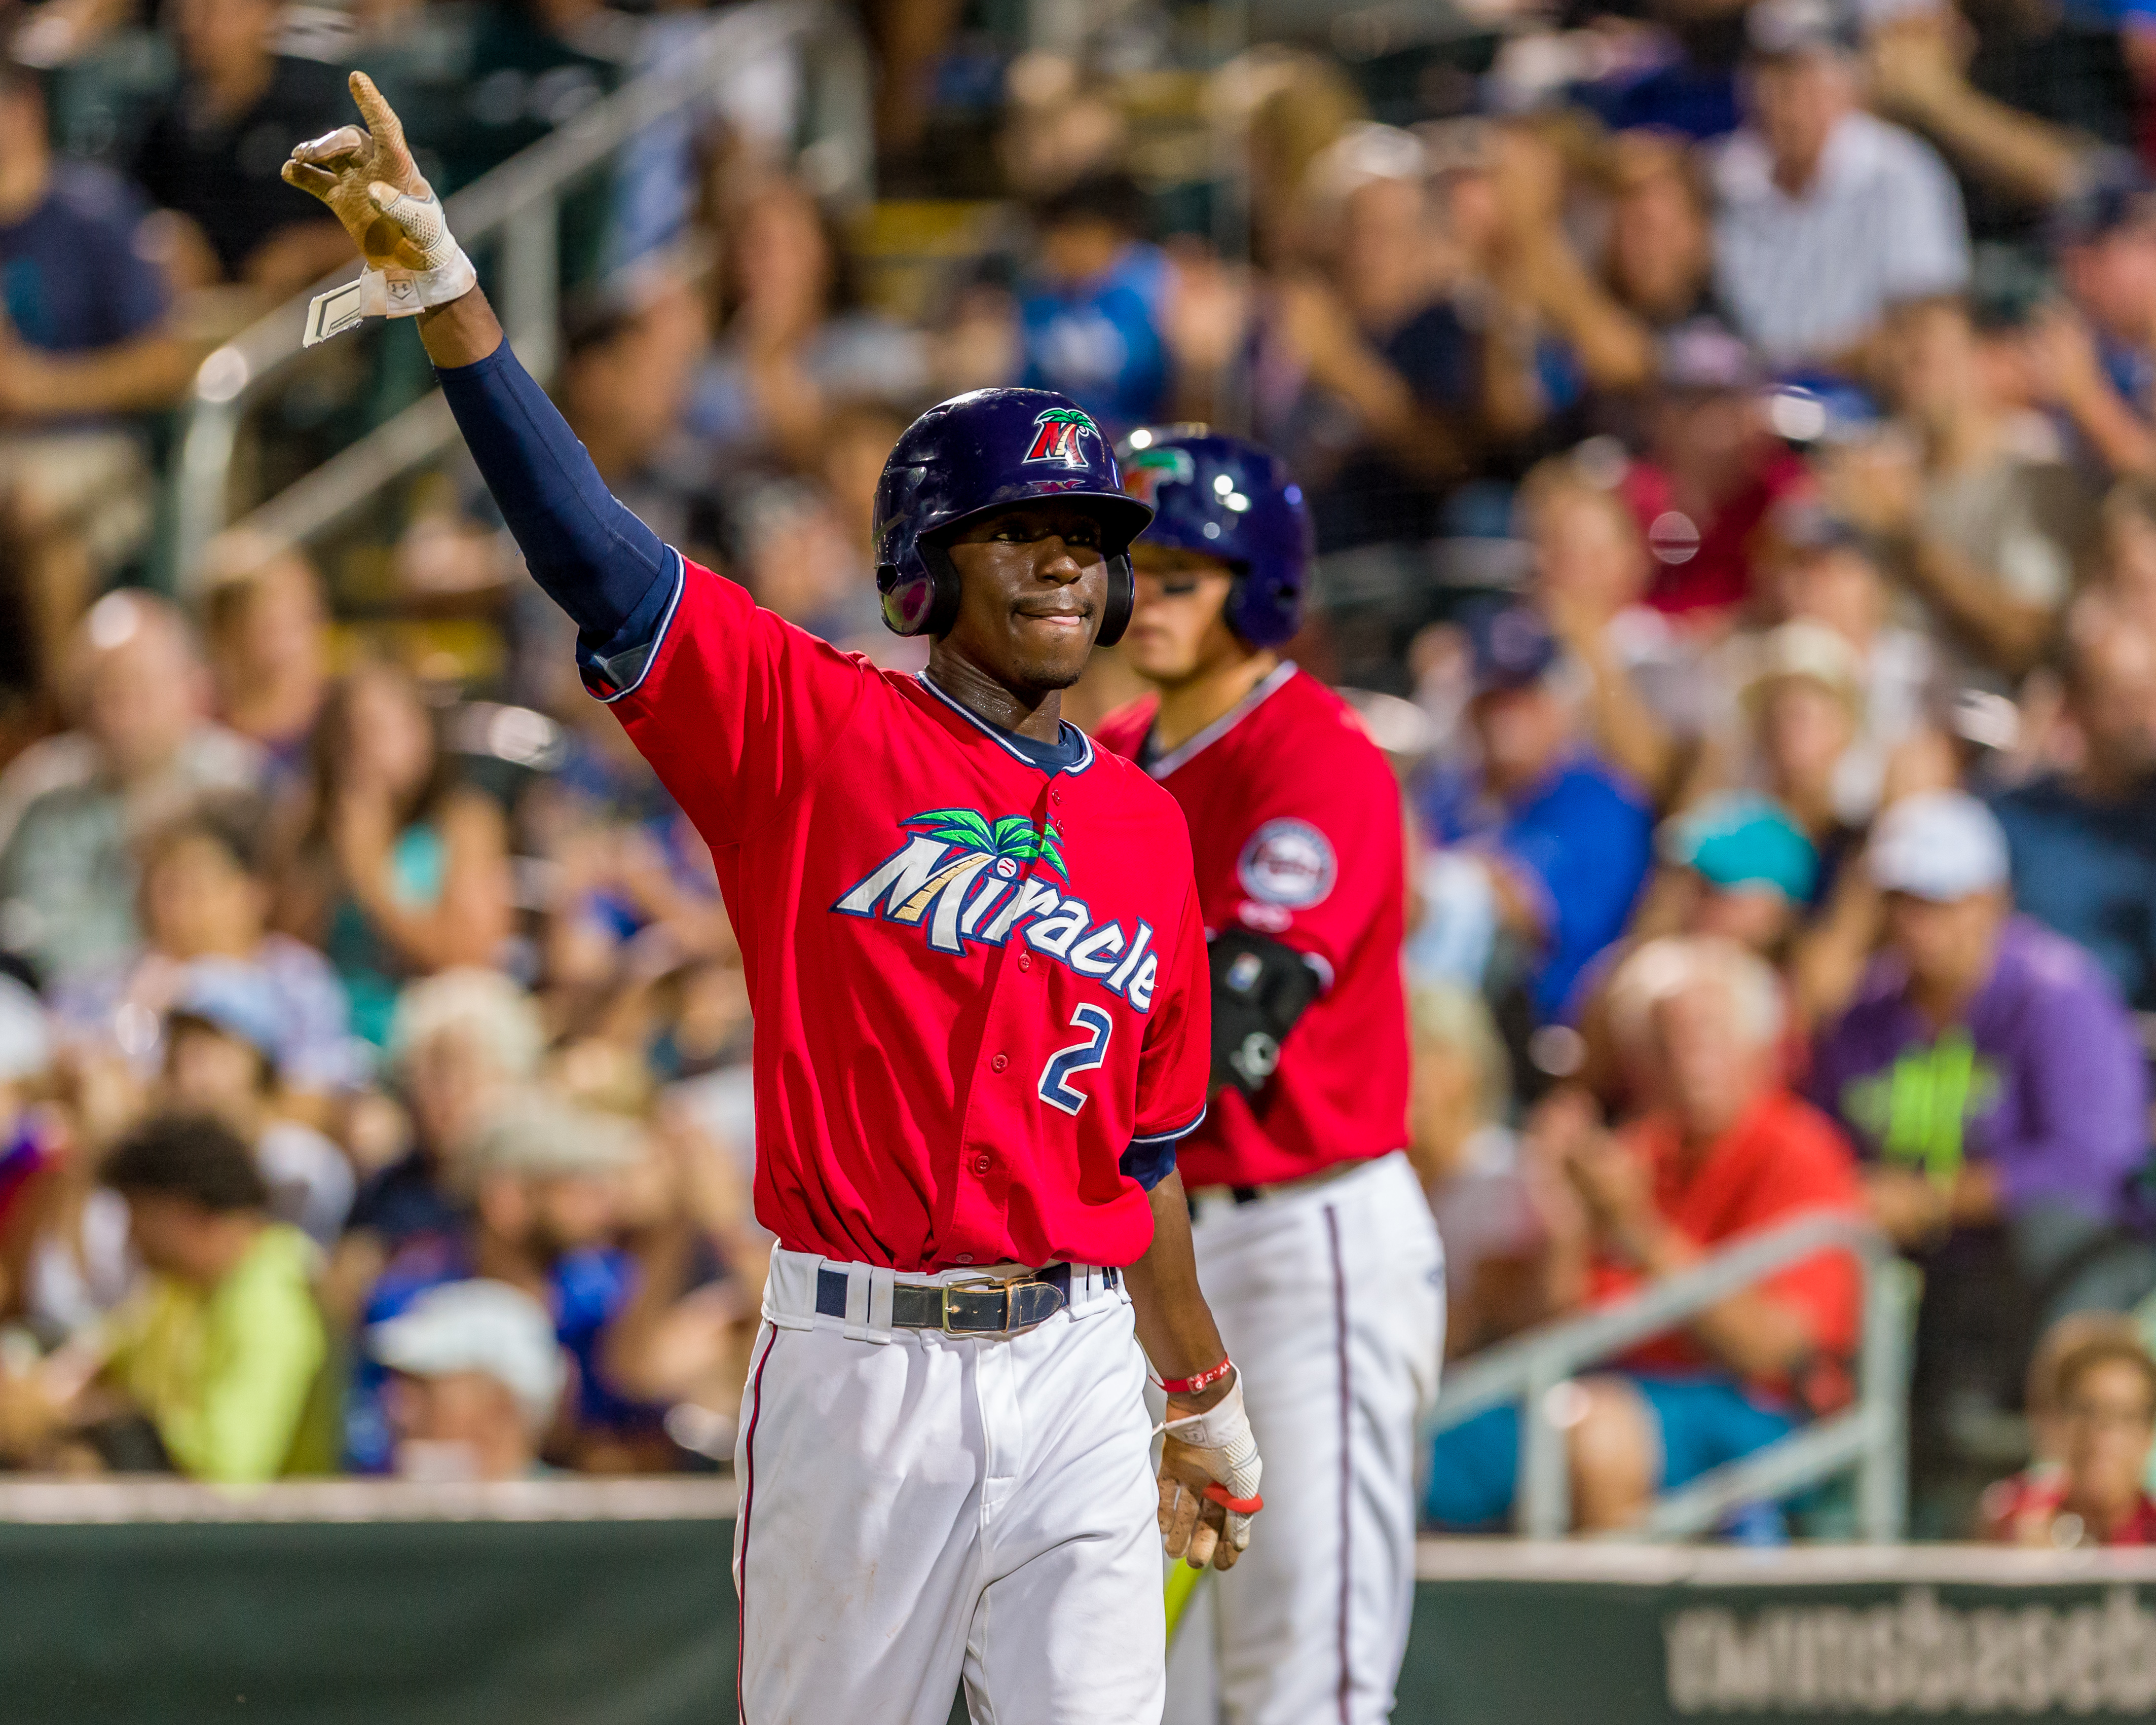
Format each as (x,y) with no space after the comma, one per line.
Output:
(1992,1077)
(477,1378)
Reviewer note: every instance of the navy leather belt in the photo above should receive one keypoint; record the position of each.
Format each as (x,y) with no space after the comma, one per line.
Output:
(986,1307)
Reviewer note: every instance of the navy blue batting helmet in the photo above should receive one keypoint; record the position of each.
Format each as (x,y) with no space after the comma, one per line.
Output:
(987,450)
(1233,501)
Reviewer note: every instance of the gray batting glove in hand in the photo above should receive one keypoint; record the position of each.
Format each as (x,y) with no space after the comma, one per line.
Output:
(371,184)
(1209,1483)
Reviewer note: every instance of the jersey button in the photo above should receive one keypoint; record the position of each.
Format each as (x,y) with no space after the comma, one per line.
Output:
(982,1164)
(1055,796)
(963,1258)
(1026,961)
(998,1064)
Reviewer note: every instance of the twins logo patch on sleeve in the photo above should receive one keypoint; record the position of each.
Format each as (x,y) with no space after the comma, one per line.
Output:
(1289,864)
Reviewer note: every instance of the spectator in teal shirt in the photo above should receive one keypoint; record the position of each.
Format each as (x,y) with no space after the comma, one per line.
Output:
(398,871)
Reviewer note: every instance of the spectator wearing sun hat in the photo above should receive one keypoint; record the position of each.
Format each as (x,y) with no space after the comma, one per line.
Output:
(1801,707)
(1991,1079)
(1824,570)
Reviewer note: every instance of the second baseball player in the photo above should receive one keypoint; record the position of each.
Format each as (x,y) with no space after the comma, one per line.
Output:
(1314,1244)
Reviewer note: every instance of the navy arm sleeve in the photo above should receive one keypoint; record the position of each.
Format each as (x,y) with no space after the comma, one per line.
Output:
(1149,1162)
(595,559)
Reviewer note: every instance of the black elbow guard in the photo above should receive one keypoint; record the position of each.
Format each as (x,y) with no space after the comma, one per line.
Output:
(1260,989)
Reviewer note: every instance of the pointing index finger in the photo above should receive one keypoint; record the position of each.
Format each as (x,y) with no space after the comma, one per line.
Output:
(381,118)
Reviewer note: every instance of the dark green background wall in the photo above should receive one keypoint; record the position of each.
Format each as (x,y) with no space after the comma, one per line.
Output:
(631,1623)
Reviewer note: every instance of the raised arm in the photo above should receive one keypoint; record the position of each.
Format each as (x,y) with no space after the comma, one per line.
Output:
(596,560)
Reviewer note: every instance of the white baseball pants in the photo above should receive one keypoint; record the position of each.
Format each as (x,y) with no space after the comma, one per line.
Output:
(916,1508)
(1331,1301)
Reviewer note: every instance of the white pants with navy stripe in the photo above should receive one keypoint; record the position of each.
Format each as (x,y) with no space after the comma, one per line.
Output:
(1331,1300)
(916,1508)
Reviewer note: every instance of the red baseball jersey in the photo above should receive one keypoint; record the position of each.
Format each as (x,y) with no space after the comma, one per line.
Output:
(1294,822)
(978,983)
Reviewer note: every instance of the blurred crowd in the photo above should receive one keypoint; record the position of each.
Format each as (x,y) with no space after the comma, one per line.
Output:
(1730,434)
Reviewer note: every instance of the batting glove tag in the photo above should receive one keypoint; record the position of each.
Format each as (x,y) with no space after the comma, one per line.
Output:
(396,292)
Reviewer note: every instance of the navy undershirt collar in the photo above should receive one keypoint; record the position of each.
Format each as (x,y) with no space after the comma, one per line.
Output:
(1070,752)
(1068,749)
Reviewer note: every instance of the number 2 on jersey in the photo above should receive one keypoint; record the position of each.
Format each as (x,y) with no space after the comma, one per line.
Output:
(1065,1064)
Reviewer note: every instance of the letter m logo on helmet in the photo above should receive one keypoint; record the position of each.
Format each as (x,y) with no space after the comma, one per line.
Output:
(1057,436)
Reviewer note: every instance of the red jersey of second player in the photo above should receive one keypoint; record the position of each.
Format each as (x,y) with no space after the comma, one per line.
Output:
(978,983)
(1295,828)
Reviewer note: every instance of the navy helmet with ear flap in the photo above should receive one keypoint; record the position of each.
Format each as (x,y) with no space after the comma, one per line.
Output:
(988,450)
(1232,500)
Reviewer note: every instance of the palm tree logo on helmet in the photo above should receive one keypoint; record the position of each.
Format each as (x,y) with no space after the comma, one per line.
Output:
(1058,435)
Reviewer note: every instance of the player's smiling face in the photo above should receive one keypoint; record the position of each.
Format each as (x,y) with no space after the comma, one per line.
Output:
(1177,630)
(1032,583)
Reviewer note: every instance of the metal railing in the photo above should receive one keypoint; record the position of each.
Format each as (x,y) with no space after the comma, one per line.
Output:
(1869,1438)
(518,204)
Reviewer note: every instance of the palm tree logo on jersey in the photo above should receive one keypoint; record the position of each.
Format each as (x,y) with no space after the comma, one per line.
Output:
(1012,839)
(1058,435)
(963,877)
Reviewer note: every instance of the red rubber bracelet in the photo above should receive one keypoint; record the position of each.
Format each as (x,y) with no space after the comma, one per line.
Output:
(1191,1386)
(1235,1506)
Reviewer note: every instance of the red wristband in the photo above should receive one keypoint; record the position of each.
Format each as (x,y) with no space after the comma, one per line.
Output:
(1191,1386)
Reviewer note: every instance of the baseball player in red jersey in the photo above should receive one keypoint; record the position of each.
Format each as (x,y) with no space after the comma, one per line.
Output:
(974,946)
(1315,1244)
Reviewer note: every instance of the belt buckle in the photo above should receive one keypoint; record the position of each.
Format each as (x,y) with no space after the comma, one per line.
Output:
(975,1285)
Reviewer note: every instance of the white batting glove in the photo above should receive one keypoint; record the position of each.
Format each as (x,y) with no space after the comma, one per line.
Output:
(1210,1458)
(371,184)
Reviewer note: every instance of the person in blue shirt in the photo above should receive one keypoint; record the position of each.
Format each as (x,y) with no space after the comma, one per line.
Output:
(84,343)
(82,307)
(1090,320)
(1566,839)
(2083,841)
(83,324)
